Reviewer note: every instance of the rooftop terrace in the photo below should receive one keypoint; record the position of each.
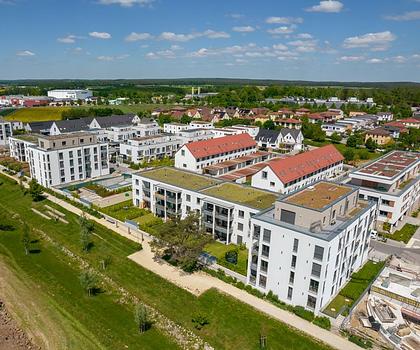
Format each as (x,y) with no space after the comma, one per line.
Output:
(391,164)
(28,137)
(247,196)
(318,196)
(183,179)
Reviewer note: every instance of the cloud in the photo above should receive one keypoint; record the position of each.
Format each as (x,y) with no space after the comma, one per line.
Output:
(304,36)
(214,35)
(406,16)
(100,35)
(235,15)
(69,39)
(25,53)
(126,3)
(398,59)
(170,36)
(280,47)
(375,60)
(352,58)
(112,58)
(282,30)
(304,45)
(243,29)
(138,36)
(211,34)
(375,41)
(328,6)
(284,20)
(151,55)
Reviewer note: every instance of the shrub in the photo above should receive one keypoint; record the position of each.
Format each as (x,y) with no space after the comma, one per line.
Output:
(232,256)
(363,343)
(303,313)
(199,321)
(323,322)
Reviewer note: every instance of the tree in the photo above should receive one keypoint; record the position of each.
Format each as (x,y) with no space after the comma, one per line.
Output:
(349,155)
(269,124)
(352,141)
(370,144)
(185,119)
(336,137)
(88,280)
(86,228)
(141,317)
(182,241)
(35,190)
(26,238)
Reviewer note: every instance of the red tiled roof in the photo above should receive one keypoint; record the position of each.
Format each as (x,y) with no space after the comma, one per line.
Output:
(292,168)
(292,121)
(410,120)
(205,148)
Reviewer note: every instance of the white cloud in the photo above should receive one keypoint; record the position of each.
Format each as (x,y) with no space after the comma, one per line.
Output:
(69,39)
(329,6)
(284,20)
(100,35)
(243,29)
(126,3)
(211,34)
(304,36)
(176,47)
(235,15)
(280,47)
(352,58)
(304,45)
(25,53)
(375,60)
(240,60)
(282,30)
(170,36)
(138,36)
(375,41)
(398,59)
(112,58)
(406,16)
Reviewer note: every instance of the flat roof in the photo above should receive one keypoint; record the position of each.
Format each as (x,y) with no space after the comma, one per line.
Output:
(246,195)
(228,163)
(27,137)
(319,195)
(391,164)
(180,178)
(66,136)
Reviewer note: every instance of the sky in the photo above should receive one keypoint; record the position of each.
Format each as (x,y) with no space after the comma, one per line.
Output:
(346,40)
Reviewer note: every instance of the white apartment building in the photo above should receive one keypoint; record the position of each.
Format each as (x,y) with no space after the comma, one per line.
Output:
(199,124)
(147,148)
(331,128)
(61,159)
(306,247)
(170,192)
(65,94)
(195,156)
(193,135)
(236,130)
(393,181)
(19,144)
(289,174)
(174,128)
(285,139)
(6,130)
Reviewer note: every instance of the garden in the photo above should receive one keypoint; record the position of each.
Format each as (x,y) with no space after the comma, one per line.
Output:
(231,256)
(402,235)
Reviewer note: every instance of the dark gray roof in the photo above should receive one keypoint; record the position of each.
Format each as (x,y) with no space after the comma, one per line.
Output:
(294,132)
(37,127)
(115,120)
(72,125)
(267,135)
(146,120)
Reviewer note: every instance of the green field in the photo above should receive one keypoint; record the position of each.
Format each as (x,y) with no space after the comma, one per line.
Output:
(37,114)
(232,324)
(133,108)
(219,251)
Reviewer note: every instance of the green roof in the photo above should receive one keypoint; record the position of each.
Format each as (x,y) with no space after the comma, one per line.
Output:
(180,178)
(248,196)
(27,137)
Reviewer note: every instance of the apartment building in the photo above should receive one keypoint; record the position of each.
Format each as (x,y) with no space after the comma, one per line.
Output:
(289,174)
(139,149)
(195,156)
(193,135)
(174,128)
(285,139)
(19,144)
(225,208)
(6,130)
(393,181)
(62,159)
(306,247)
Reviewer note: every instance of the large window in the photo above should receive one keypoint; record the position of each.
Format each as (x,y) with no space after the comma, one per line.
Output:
(313,286)
(266,235)
(290,293)
(294,259)
(288,216)
(295,245)
(316,270)
(265,250)
(318,253)
(311,302)
(292,277)
(264,266)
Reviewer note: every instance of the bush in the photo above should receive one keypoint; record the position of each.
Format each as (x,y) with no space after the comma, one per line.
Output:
(303,313)
(199,321)
(363,343)
(232,256)
(323,322)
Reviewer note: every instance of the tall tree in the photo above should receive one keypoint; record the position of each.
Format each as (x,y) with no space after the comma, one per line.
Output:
(35,190)
(26,238)
(88,280)
(86,228)
(141,317)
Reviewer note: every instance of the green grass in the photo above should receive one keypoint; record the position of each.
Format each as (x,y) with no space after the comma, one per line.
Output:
(404,234)
(180,178)
(247,196)
(358,283)
(124,211)
(134,108)
(219,250)
(232,323)
(37,114)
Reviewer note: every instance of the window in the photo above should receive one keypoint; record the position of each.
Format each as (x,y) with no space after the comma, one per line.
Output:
(241,213)
(188,208)
(288,216)
(182,152)
(292,277)
(316,270)
(272,184)
(265,250)
(263,281)
(383,213)
(267,235)
(264,266)
(294,259)
(290,293)
(198,200)
(318,253)
(240,226)
(311,302)
(239,240)
(295,245)
(313,286)
(188,198)
(264,174)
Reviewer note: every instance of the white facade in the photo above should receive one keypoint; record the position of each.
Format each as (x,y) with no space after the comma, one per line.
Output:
(58,160)
(6,130)
(197,124)
(19,145)
(148,148)
(304,266)
(70,94)
(174,128)
(397,193)
(192,135)
(334,127)
(385,116)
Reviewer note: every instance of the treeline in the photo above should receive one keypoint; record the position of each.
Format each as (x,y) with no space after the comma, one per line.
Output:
(76,113)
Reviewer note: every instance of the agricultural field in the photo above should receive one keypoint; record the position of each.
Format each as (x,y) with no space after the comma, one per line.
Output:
(101,322)
(37,114)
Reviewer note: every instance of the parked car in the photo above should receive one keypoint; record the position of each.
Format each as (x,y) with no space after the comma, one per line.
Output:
(374,234)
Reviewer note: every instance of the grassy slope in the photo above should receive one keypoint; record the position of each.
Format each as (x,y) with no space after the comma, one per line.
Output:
(37,114)
(232,323)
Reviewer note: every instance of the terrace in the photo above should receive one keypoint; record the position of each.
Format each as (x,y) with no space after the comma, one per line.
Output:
(179,178)
(244,195)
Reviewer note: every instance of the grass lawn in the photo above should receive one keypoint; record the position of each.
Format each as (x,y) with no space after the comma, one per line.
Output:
(133,109)
(404,234)
(37,114)
(219,250)
(358,283)
(232,324)
(124,211)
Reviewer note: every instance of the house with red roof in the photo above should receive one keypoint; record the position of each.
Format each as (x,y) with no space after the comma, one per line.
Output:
(197,155)
(411,122)
(286,175)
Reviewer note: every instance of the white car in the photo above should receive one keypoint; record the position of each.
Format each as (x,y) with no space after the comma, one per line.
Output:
(374,234)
